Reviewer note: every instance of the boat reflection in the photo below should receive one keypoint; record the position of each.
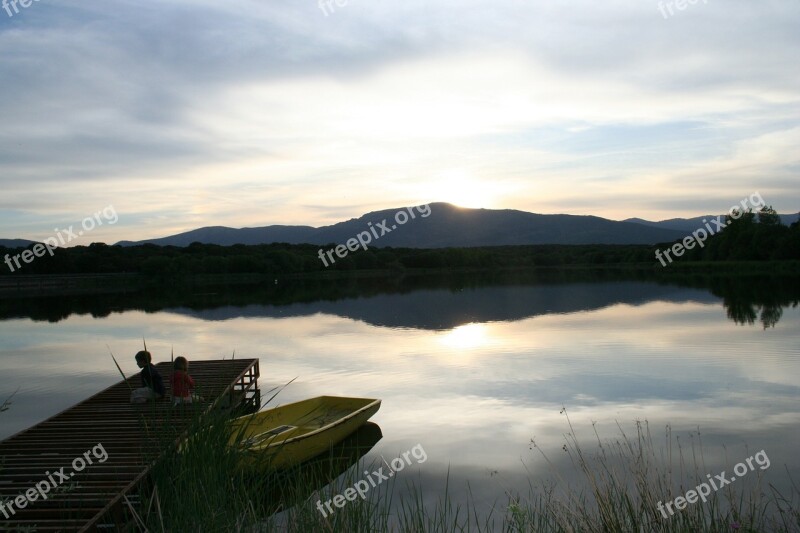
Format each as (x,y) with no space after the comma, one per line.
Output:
(296,484)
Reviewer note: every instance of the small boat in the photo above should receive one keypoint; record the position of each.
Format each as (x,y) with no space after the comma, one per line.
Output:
(296,432)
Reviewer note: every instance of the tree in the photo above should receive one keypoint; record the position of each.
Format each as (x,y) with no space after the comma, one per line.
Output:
(768,217)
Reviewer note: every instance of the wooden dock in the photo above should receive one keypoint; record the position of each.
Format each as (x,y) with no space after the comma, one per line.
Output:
(99,496)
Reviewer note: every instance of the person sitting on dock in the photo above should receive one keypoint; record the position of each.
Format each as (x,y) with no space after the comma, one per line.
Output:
(182,382)
(152,384)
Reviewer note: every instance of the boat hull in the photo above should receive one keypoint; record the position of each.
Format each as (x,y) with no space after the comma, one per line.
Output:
(290,434)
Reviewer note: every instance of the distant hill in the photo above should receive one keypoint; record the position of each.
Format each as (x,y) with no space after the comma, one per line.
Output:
(687,225)
(15,243)
(227,236)
(445,226)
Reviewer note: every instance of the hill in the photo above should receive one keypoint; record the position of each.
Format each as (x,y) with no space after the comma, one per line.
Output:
(439,225)
(16,243)
(687,225)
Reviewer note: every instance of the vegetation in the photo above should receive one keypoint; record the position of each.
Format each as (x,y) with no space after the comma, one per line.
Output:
(619,486)
(284,259)
(6,403)
(624,481)
(750,293)
(751,237)
(201,487)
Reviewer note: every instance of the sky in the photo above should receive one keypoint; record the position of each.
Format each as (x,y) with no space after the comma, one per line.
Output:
(179,114)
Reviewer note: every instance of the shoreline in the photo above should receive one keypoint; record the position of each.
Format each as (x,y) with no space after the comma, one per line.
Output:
(123,282)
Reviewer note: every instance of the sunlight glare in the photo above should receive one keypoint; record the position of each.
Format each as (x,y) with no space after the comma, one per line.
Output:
(466,337)
(459,187)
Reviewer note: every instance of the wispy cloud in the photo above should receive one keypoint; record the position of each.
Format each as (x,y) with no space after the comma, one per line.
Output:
(183,114)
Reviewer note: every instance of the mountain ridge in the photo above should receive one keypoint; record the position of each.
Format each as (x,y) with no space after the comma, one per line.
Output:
(691,224)
(16,243)
(440,225)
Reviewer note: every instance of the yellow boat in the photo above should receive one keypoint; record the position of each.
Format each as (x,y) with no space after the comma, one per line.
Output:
(293,433)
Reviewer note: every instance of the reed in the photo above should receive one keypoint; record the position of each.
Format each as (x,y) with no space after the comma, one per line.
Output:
(619,484)
(6,405)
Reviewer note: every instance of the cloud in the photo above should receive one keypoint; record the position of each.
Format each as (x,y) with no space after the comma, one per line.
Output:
(195,113)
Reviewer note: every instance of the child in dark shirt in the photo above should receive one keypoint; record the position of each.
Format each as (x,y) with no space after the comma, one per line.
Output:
(152,384)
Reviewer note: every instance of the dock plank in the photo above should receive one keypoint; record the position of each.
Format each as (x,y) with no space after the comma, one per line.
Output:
(133,436)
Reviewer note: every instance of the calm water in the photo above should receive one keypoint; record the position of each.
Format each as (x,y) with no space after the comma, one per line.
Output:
(471,369)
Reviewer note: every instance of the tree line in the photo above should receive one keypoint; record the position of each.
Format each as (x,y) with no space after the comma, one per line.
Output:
(749,237)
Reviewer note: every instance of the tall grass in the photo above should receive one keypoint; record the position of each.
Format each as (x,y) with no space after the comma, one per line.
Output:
(608,486)
(6,405)
(621,483)
(196,486)
(201,486)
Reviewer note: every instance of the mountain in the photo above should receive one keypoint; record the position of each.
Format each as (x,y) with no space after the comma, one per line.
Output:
(227,236)
(16,243)
(687,225)
(436,226)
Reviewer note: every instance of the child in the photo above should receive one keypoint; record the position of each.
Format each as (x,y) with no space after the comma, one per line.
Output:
(152,384)
(182,382)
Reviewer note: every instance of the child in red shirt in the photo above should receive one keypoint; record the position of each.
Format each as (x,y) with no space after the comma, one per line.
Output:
(182,382)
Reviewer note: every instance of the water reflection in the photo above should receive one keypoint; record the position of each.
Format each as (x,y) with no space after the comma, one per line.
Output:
(470,368)
(297,484)
(434,302)
(754,298)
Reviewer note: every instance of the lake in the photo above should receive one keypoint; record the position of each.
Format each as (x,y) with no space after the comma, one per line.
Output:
(470,367)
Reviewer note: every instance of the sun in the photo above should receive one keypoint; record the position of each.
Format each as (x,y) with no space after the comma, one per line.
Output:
(459,187)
